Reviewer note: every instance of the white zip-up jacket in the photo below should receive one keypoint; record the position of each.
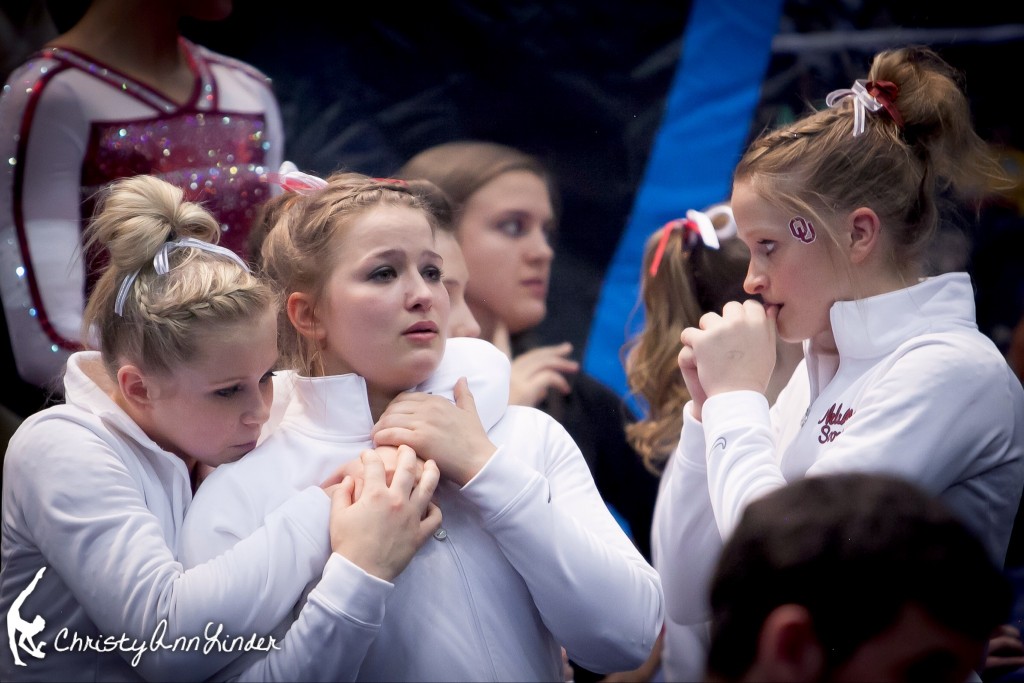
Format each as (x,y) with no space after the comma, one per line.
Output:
(916,391)
(90,497)
(528,557)
(93,500)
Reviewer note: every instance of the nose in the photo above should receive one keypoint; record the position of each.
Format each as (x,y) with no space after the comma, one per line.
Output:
(538,247)
(754,282)
(420,295)
(259,412)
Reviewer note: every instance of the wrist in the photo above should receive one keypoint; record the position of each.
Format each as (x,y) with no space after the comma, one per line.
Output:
(481,457)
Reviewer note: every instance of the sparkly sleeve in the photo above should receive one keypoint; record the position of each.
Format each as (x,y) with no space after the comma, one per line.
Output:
(43,131)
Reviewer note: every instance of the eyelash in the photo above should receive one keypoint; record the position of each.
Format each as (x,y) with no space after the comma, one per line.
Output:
(387,274)
(768,245)
(228,392)
(512,227)
(520,229)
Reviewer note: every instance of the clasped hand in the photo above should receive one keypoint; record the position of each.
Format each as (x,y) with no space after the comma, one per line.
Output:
(449,434)
(733,351)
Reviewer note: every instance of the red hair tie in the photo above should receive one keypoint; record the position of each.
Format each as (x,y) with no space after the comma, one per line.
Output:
(886,93)
(683,224)
(392,181)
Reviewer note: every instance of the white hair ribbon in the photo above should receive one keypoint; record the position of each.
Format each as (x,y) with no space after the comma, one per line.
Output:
(862,101)
(723,220)
(161,264)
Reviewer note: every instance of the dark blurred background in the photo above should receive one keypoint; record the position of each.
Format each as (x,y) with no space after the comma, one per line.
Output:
(583,85)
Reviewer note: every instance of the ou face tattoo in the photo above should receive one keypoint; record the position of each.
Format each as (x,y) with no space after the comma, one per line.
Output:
(802,229)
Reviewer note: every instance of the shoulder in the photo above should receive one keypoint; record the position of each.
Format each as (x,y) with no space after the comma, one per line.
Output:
(471,349)
(33,68)
(231,63)
(265,464)
(527,422)
(962,357)
(63,448)
(35,79)
(53,429)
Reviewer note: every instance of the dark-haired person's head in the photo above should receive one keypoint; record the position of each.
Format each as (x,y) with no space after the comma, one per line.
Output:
(852,577)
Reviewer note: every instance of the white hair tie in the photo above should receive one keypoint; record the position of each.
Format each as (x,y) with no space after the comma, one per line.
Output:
(161,264)
(868,96)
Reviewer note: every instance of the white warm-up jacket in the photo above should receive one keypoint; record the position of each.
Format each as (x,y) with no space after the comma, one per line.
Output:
(916,391)
(528,557)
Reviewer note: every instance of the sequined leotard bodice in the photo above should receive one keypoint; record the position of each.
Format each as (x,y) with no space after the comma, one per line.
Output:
(69,126)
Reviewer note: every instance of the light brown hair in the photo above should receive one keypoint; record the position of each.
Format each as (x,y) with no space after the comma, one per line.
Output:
(462,167)
(816,167)
(690,281)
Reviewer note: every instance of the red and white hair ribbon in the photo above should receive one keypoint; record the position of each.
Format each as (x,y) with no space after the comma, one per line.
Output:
(293,180)
(701,224)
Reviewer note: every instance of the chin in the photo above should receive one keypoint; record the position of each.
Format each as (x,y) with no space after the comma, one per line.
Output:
(418,370)
(524,320)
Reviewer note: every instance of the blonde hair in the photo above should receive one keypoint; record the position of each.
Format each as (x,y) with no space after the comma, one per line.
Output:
(164,317)
(690,282)
(299,250)
(817,168)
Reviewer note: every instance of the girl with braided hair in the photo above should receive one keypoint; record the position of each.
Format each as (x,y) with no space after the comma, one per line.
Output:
(96,489)
(529,558)
(838,209)
(691,265)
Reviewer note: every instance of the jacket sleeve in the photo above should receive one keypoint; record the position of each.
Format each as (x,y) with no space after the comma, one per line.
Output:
(328,642)
(335,624)
(686,539)
(89,518)
(595,592)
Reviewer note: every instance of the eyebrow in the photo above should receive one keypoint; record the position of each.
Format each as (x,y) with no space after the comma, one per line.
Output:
(392,253)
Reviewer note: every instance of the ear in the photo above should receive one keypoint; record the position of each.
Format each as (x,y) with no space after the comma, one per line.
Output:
(865,232)
(788,648)
(132,383)
(301,309)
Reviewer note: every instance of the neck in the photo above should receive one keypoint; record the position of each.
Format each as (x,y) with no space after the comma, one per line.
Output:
(141,418)
(495,331)
(379,400)
(135,37)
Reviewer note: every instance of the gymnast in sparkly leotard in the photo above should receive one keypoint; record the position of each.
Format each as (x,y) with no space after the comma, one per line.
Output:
(70,123)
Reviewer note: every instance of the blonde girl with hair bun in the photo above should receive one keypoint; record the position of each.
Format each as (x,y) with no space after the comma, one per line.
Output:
(96,489)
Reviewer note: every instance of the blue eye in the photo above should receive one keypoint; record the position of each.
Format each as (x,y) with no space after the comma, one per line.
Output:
(767,245)
(513,227)
(228,392)
(432,274)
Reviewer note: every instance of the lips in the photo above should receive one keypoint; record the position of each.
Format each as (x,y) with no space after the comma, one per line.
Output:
(536,286)
(422,327)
